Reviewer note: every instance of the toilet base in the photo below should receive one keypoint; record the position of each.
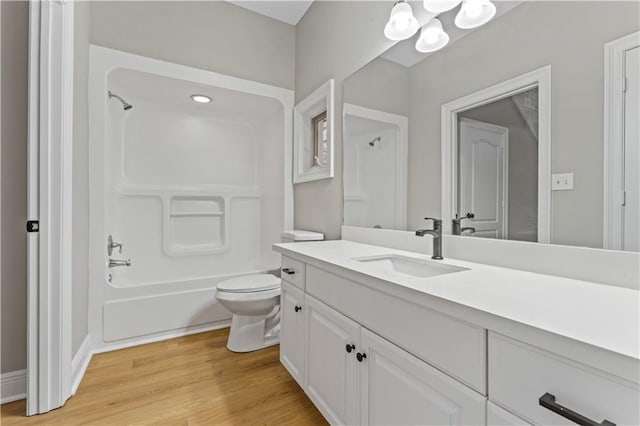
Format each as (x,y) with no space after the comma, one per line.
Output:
(250,333)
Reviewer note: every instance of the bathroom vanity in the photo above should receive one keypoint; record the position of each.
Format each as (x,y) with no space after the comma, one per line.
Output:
(376,335)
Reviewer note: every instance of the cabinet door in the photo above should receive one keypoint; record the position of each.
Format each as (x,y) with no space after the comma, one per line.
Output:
(331,370)
(292,322)
(398,388)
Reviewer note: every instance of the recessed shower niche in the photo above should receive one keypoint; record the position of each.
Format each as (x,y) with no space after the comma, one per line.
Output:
(195,225)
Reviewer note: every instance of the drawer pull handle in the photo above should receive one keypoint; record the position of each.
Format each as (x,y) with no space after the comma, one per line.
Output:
(288,271)
(361,357)
(548,401)
(298,308)
(350,348)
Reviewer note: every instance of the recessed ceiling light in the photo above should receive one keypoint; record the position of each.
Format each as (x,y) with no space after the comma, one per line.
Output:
(203,99)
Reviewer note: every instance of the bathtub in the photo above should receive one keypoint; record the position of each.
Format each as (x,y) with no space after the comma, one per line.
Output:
(195,192)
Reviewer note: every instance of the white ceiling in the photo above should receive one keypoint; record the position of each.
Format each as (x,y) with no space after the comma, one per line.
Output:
(405,53)
(289,11)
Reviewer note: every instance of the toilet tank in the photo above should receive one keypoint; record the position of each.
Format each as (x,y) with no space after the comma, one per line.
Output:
(297,235)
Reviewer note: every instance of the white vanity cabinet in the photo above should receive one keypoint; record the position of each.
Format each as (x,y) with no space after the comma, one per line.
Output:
(365,355)
(398,388)
(292,332)
(331,367)
(356,377)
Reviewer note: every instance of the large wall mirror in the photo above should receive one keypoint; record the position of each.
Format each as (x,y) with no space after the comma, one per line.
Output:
(522,129)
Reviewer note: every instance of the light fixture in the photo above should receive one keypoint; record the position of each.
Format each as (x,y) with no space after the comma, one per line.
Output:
(432,37)
(402,24)
(474,13)
(439,6)
(201,99)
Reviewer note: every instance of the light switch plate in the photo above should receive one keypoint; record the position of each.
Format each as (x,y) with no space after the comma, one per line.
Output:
(562,182)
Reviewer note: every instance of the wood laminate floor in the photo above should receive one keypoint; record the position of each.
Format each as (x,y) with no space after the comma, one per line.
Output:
(192,380)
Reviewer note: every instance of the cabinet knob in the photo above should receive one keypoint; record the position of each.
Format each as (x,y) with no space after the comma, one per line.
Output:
(288,271)
(298,308)
(350,348)
(360,356)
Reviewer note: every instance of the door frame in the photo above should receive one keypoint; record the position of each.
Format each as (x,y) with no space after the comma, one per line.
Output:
(614,81)
(504,131)
(540,78)
(402,124)
(50,188)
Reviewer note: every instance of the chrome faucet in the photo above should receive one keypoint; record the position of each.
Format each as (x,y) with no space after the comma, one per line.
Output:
(456,223)
(436,233)
(116,262)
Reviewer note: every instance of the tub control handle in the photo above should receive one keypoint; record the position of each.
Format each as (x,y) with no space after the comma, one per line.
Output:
(548,401)
(113,245)
(298,308)
(288,271)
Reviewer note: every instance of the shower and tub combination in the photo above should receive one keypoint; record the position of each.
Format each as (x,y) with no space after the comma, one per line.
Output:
(190,185)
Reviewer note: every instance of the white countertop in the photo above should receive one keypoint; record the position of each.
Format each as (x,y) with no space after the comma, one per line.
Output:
(604,316)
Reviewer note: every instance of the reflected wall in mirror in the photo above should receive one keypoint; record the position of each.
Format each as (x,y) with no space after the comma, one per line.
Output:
(499,169)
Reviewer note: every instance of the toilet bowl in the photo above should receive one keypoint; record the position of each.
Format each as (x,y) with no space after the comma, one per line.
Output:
(254,301)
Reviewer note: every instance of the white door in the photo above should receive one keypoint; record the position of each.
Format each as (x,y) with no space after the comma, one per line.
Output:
(292,342)
(483,177)
(331,371)
(397,388)
(631,207)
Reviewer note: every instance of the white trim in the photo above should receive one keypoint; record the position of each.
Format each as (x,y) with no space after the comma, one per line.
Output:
(79,363)
(322,99)
(13,386)
(614,69)
(402,123)
(540,78)
(51,189)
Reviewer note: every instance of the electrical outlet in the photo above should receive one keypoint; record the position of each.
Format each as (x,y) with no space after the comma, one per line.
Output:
(562,182)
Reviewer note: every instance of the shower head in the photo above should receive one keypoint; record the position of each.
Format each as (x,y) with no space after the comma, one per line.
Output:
(373,142)
(126,105)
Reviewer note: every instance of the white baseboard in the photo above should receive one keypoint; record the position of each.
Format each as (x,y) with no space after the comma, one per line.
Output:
(13,386)
(79,363)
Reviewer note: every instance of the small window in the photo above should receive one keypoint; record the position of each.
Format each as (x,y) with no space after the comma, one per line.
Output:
(319,126)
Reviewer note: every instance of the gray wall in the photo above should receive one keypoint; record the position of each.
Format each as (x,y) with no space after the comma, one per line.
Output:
(211,35)
(13,154)
(333,40)
(523,166)
(80,245)
(381,85)
(528,37)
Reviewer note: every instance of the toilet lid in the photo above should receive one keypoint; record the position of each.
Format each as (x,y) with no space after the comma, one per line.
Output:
(250,283)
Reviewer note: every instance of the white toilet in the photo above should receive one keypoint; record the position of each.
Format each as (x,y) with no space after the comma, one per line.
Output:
(254,301)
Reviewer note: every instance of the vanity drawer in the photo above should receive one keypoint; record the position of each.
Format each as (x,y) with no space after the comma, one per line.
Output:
(520,374)
(453,346)
(293,271)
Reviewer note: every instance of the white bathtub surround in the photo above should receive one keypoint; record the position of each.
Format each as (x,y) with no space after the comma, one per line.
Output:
(13,386)
(195,192)
(482,338)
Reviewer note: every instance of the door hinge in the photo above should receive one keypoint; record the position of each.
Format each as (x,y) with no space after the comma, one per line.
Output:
(624,198)
(33,225)
(624,84)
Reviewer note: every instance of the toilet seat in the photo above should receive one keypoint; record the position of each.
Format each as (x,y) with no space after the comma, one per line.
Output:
(250,284)
(234,296)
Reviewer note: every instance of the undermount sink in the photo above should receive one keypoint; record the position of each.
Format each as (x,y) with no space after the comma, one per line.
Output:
(410,266)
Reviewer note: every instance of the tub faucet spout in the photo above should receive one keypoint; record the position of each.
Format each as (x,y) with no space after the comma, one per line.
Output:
(116,262)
